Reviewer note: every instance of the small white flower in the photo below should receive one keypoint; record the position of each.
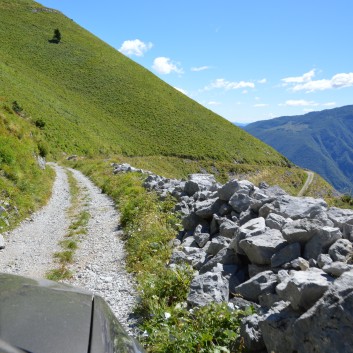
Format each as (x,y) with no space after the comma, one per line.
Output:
(167,315)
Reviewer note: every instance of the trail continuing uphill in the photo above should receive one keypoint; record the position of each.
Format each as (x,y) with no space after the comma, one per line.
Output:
(307,183)
(99,260)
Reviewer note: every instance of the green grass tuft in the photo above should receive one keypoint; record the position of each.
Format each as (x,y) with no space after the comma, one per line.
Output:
(59,274)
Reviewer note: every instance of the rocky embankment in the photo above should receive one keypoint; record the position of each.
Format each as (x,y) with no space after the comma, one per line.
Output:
(289,257)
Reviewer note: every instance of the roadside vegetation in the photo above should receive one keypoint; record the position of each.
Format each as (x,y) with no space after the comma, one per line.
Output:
(24,186)
(79,217)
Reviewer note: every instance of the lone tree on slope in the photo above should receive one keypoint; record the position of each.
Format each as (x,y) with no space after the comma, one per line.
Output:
(56,37)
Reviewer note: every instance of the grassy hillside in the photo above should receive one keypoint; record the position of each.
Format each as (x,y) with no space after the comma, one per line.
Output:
(95,100)
(23,185)
(320,141)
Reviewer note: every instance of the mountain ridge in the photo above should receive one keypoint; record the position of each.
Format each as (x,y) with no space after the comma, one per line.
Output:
(319,141)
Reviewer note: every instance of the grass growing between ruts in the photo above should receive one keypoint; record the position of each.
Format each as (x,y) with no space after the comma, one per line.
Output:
(149,226)
(79,219)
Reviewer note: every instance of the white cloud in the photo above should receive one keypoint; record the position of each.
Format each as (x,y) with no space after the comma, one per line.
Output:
(181,90)
(300,103)
(200,68)
(135,47)
(329,104)
(221,83)
(306,82)
(262,81)
(300,79)
(312,86)
(165,66)
(261,105)
(342,80)
(214,103)
(305,103)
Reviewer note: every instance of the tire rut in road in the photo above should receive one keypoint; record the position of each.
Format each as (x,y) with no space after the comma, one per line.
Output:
(100,258)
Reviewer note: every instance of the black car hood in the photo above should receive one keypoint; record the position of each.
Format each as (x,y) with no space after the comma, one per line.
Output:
(42,316)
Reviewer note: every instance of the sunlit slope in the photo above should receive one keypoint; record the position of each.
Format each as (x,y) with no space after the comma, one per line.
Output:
(94,99)
(23,185)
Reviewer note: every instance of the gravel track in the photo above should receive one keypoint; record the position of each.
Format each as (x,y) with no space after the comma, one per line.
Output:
(100,264)
(99,260)
(307,183)
(30,247)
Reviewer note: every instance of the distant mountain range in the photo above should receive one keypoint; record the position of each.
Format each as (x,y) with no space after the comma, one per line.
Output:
(320,141)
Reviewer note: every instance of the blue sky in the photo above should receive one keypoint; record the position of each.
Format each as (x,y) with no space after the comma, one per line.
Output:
(246,60)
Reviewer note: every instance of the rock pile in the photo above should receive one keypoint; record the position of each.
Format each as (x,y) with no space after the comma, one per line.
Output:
(287,256)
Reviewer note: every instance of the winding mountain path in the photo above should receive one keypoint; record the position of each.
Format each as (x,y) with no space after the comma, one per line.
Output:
(307,183)
(99,260)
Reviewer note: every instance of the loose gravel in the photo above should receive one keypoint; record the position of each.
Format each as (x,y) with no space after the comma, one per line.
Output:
(29,248)
(99,260)
(100,257)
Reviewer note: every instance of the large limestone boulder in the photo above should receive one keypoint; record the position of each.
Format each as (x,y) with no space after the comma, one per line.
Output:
(321,241)
(340,250)
(277,328)
(260,248)
(217,244)
(240,202)
(303,288)
(225,256)
(286,254)
(337,268)
(275,221)
(228,190)
(199,182)
(340,216)
(228,228)
(201,239)
(327,327)
(264,282)
(208,288)
(295,207)
(191,221)
(251,228)
(251,334)
(205,209)
(301,230)
(258,199)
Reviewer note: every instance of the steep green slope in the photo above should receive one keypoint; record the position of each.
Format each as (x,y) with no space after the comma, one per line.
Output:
(95,100)
(23,185)
(320,141)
